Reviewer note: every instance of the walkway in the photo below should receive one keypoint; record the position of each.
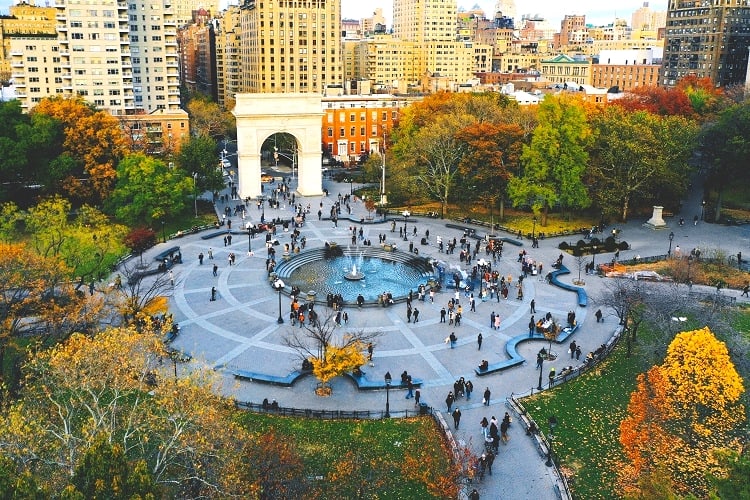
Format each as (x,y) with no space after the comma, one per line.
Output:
(240,330)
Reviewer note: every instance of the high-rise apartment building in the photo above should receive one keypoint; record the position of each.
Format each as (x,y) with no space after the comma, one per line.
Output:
(228,61)
(120,55)
(573,31)
(425,21)
(154,54)
(197,43)
(290,45)
(706,39)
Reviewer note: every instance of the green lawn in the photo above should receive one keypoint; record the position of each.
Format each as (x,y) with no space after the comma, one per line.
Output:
(589,410)
(323,443)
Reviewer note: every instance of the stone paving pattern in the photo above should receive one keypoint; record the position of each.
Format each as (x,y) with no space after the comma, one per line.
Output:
(240,331)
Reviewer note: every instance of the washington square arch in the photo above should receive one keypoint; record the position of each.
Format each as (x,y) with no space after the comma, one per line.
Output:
(260,116)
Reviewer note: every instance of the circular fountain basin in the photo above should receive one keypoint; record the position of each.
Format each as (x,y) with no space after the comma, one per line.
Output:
(368,272)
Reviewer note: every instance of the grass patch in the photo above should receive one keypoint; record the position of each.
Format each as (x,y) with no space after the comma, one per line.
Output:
(589,410)
(321,444)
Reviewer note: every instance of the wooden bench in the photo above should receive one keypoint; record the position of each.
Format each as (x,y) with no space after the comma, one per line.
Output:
(167,253)
(271,379)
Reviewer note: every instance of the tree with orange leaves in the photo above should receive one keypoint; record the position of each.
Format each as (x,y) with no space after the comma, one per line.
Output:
(657,100)
(93,144)
(681,414)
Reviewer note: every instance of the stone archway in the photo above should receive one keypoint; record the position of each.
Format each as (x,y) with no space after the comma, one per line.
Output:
(262,115)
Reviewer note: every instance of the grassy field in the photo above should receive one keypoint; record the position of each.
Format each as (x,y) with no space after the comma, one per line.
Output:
(380,446)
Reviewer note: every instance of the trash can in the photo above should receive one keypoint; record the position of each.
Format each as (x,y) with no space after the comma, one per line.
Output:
(424,409)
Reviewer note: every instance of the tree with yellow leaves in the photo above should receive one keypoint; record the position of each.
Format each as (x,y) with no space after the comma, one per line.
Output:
(331,351)
(112,388)
(681,414)
(337,361)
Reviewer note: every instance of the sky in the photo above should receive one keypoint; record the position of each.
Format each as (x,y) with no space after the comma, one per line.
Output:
(597,12)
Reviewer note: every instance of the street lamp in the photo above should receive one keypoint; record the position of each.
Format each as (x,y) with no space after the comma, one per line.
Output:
(163,233)
(249,240)
(703,209)
(552,424)
(533,229)
(351,187)
(593,258)
(195,192)
(671,237)
(690,263)
(387,394)
(541,370)
(279,286)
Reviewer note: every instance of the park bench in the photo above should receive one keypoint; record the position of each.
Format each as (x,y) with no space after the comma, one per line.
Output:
(363,383)
(511,349)
(167,254)
(271,379)
(582,296)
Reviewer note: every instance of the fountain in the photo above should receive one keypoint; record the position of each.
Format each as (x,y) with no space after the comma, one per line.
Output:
(354,275)
(359,271)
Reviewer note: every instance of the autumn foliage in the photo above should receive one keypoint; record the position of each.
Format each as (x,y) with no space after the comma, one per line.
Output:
(682,412)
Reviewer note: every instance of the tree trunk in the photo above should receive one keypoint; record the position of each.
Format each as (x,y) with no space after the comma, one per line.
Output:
(501,215)
(625,206)
(719,193)
(545,212)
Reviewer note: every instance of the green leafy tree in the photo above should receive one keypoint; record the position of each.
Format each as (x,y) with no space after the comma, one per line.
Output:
(726,149)
(556,159)
(148,190)
(198,155)
(734,482)
(88,243)
(105,472)
(10,217)
(635,154)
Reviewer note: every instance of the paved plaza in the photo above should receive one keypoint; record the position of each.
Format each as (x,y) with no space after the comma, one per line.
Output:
(240,331)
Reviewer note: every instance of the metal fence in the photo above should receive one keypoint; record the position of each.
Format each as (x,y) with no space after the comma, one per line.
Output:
(331,414)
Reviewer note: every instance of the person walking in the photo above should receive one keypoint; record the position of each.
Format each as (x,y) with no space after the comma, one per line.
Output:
(531,326)
(452,338)
(408,314)
(200,258)
(210,253)
(539,360)
(485,426)
(456,418)
(487,395)
(532,306)
(468,388)
(409,388)
(492,320)
(417,397)
(479,341)
(449,401)
(442,315)
(572,349)
(213,293)
(599,315)
(490,461)
(415,314)
(497,322)
(745,290)
(551,376)
(171,278)
(474,495)
(216,270)
(370,348)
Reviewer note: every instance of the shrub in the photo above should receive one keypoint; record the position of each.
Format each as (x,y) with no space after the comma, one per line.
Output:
(581,244)
(563,245)
(623,245)
(610,244)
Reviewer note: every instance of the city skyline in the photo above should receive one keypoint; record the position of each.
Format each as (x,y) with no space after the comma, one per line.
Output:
(596,12)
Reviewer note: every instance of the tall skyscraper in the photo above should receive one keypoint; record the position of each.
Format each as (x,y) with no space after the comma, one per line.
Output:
(707,39)
(291,45)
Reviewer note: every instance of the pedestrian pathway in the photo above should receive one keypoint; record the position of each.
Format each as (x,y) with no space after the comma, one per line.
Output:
(240,330)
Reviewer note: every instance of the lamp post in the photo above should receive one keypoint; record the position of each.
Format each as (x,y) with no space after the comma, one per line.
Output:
(593,258)
(533,229)
(195,192)
(351,187)
(163,232)
(703,209)
(671,237)
(541,370)
(249,240)
(552,424)
(387,394)
(279,286)
(690,263)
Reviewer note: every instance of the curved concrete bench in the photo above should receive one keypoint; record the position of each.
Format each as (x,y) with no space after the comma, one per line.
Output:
(511,349)
(270,379)
(365,384)
(582,296)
